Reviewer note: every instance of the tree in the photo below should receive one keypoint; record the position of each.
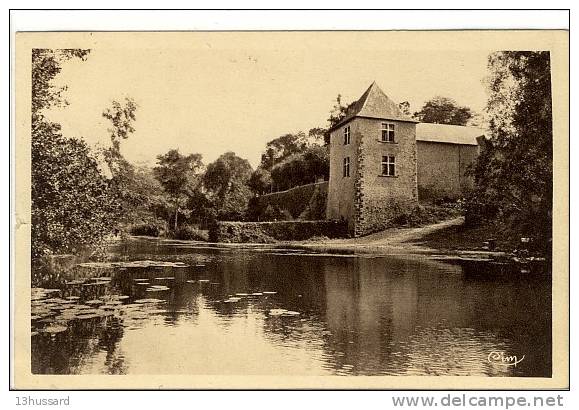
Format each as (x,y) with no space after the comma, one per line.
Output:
(443,110)
(226,181)
(122,117)
(514,174)
(302,168)
(318,136)
(73,205)
(260,181)
(282,147)
(179,175)
(338,111)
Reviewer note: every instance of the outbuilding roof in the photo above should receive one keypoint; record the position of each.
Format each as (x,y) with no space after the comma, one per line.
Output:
(450,134)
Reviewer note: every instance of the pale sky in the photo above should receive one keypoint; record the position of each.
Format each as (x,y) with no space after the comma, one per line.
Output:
(212,95)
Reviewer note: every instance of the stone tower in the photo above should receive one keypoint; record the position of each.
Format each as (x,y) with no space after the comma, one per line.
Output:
(372,164)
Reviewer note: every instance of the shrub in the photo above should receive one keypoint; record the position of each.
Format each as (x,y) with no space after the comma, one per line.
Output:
(190,233)
(146,229)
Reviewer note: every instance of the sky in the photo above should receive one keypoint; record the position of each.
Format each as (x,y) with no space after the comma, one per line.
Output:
(216,93)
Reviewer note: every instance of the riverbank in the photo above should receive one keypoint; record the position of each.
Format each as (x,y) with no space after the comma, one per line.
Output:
(428,240)
(448,239)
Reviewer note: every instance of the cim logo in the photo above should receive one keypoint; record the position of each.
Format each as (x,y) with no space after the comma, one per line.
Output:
(501,359)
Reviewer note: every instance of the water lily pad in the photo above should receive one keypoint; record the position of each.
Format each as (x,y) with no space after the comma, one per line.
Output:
(242,294)
(75,282)
(55,300)
(232,300)
(141,280)
(277,312)
(203,281)
(290,313)
(149,300)
(55,328)
(268,292)
(121,297)
(87,316)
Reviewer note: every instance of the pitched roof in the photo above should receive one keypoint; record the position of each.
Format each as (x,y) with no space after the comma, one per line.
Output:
(374,104)
(450,134)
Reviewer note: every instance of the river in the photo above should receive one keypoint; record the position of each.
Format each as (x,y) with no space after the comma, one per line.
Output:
(169,307)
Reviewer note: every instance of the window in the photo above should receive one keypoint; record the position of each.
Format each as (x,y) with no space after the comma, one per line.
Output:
(387,132)
(347,135)
(388,166)
(347,167)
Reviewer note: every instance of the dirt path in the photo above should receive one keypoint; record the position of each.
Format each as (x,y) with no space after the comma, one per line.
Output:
(393,241)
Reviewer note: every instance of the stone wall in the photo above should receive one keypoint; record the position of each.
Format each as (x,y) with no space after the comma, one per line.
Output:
(381,198)
(260,232)
(305,202)
(442,170)
(341,190)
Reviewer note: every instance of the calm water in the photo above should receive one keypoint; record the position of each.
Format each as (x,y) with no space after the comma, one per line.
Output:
(356,315)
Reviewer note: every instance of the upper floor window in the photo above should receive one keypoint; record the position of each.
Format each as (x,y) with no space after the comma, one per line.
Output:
(387,132)
(346,135)
(346,167)
(388,166)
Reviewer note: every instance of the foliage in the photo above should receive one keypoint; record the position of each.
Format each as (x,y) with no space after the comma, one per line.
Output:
(305,202)
(282,147)
(73,204)
(514,174)
(190,233)
(260,181)
(338,111)
(443,110)
(123,174)
(121,118)
(146,229)
(226,182)
(302,168)
(179,175)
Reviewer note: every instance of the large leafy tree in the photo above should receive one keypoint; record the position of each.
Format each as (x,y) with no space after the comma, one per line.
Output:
(282,147)
(226,181)
(72,202)
(302,168)
(123,173)
(514,174)
(260,181)
(180,176)
(443,110)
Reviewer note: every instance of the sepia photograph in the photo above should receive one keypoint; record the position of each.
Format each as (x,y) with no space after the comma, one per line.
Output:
(287,209)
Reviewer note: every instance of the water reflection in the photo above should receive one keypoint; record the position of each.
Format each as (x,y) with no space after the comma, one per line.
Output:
(357,316)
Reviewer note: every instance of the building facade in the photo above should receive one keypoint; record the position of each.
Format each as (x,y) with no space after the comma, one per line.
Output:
(379,164)
(373,174)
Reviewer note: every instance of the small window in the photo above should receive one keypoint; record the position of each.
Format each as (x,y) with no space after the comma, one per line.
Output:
(388,166)
(347,135)
(346,167)
(387,132)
